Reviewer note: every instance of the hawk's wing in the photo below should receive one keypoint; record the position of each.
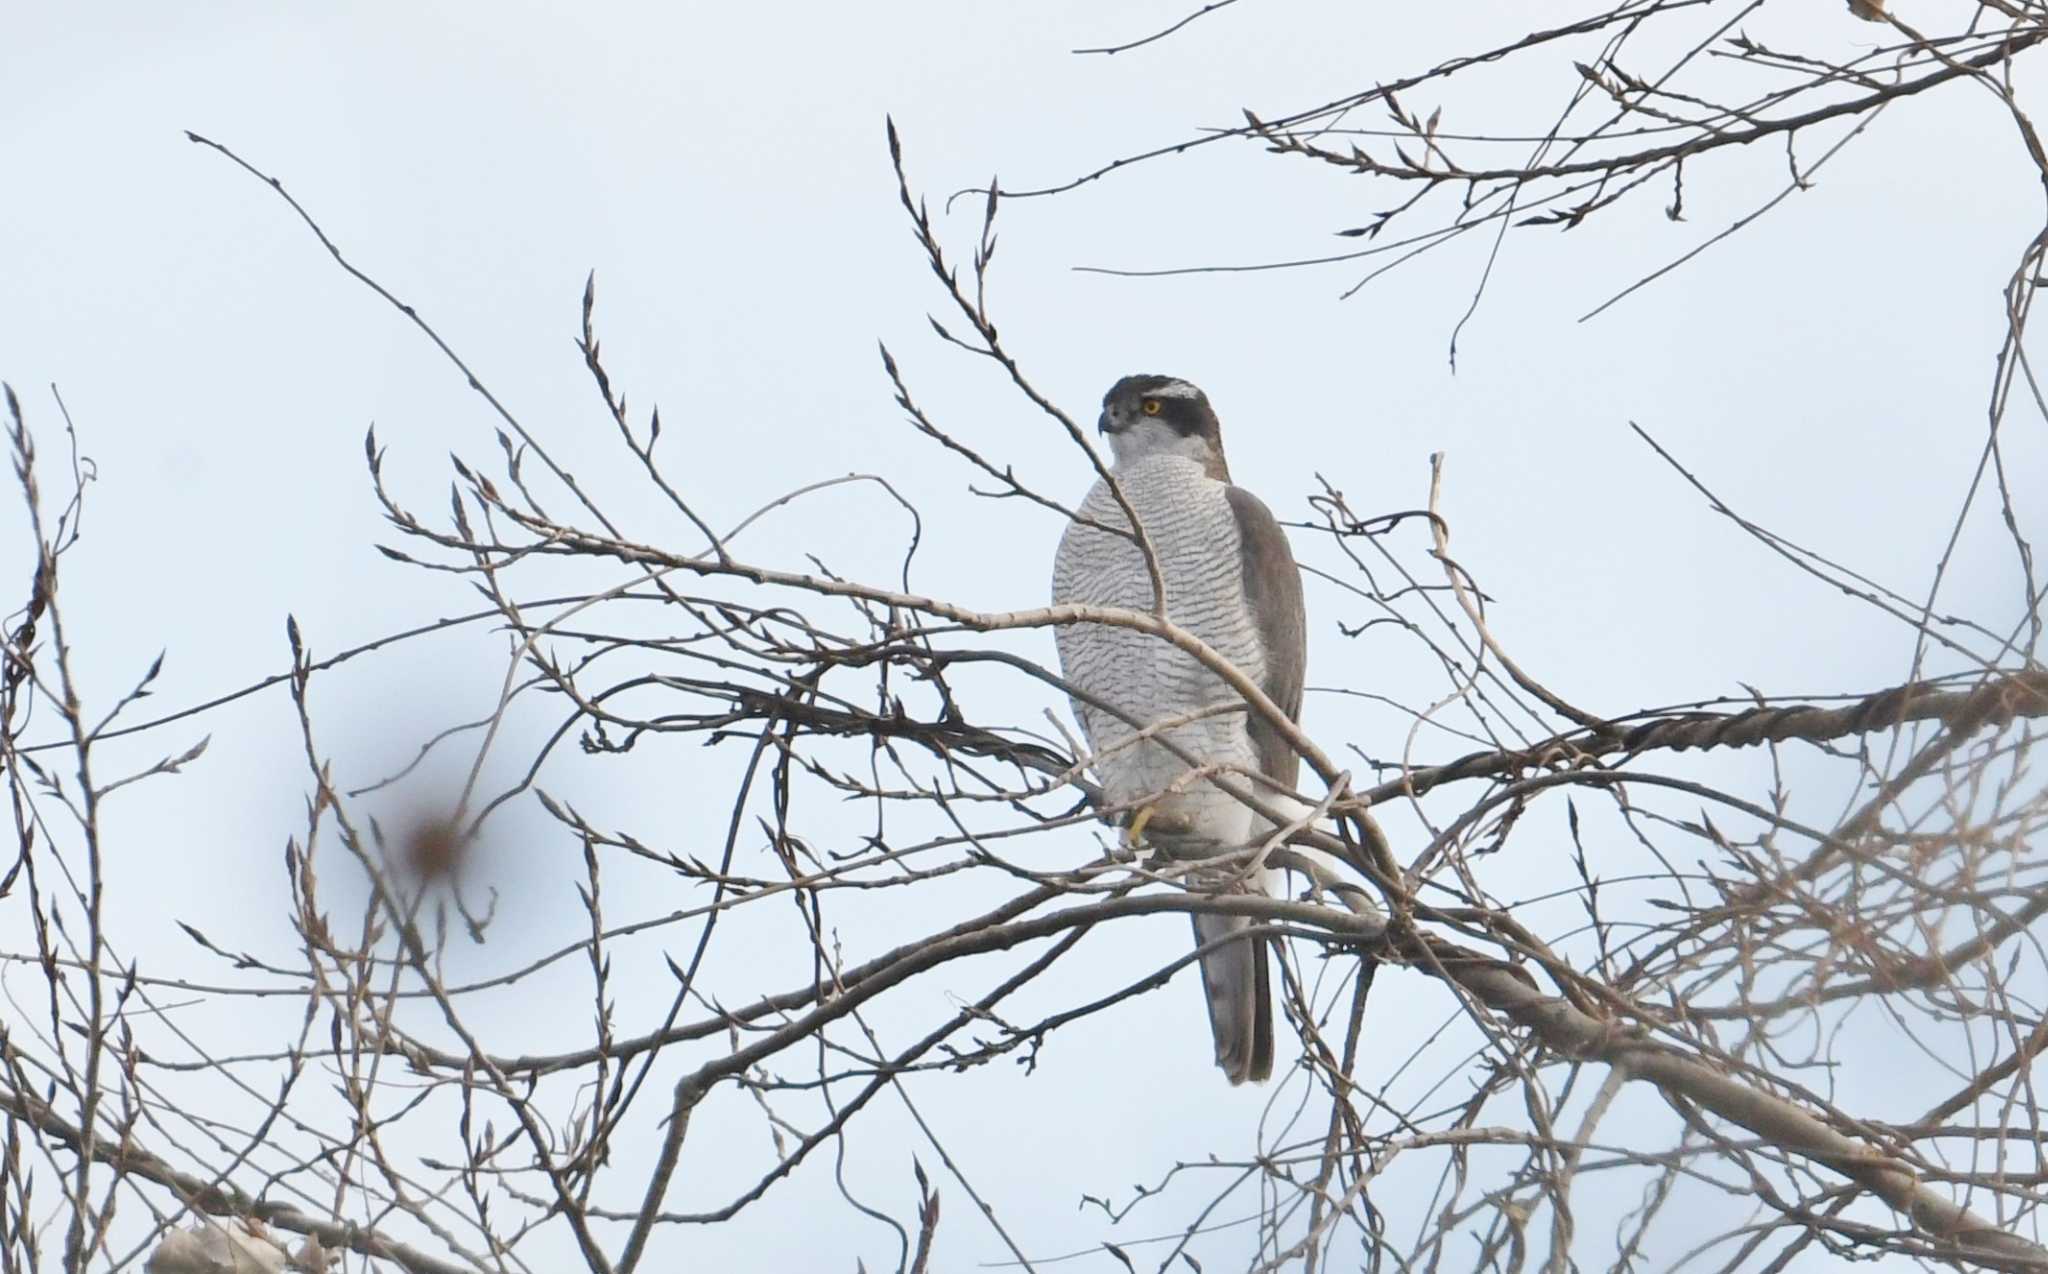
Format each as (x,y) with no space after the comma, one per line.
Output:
(1272,590)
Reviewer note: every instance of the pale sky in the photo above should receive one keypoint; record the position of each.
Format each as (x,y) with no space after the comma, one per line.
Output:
(723,171)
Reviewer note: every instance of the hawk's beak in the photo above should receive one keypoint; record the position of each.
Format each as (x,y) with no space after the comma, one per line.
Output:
(1103,425)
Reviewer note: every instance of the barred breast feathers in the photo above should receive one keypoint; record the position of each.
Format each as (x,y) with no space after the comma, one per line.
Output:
(1194,532)
(1193,529)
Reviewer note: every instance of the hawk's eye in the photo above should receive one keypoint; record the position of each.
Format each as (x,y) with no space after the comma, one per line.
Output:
(1150,406)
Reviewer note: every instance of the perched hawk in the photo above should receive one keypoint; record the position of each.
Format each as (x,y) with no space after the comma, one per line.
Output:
(1231,581)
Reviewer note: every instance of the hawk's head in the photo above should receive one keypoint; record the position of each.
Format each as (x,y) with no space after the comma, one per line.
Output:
(1162,415)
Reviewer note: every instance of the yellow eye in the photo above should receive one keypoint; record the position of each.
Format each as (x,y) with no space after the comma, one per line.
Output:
(1149,406)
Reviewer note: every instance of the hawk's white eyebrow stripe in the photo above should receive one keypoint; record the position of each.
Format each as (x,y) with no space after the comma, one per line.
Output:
(1175,389)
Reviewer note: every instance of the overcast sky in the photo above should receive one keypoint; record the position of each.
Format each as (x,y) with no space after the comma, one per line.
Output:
(723,171)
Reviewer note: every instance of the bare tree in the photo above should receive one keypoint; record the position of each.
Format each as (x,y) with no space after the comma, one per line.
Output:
(1679,1026)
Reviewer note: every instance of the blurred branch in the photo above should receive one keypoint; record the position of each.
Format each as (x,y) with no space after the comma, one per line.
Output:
(220,1198)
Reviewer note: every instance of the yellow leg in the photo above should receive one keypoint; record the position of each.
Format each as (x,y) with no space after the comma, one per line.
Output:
(1134,834)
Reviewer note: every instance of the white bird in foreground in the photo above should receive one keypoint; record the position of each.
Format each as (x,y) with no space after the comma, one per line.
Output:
(1231,581)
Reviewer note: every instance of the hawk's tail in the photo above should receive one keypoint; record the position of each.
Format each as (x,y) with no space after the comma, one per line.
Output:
(1240,998)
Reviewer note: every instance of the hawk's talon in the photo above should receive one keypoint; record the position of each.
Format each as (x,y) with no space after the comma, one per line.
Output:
(1134,831)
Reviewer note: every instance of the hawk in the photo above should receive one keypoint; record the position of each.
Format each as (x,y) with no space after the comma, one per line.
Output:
(1230,580)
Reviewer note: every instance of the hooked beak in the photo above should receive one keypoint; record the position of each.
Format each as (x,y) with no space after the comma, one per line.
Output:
(1103,424)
